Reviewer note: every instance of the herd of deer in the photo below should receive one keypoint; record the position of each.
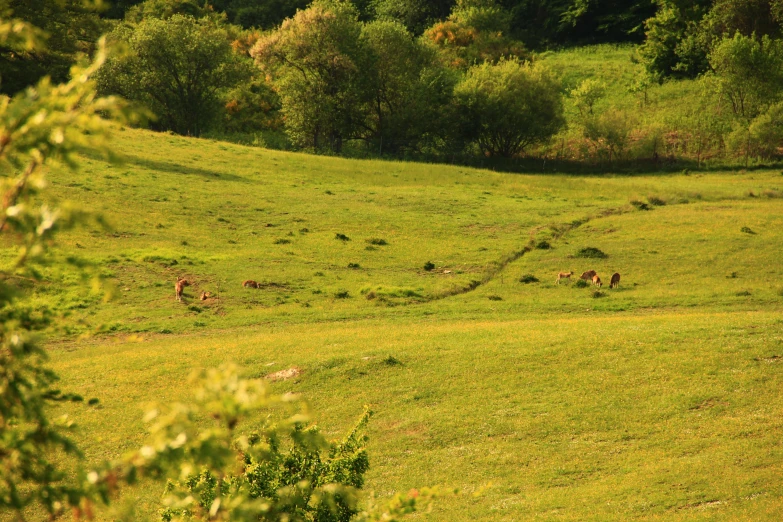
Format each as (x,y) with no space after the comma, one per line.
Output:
(179,288)
(590,275)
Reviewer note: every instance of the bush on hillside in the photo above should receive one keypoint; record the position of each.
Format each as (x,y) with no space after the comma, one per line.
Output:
(528,278)
(506,107)
(590,253)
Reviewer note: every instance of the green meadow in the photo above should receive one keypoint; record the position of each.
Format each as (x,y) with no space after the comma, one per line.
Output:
(659,399)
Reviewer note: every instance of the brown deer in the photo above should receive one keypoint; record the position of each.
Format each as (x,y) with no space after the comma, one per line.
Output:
(563,275)
(250,284)
(179,287)
(597,281)
(588,276)
(205,295)
(615,280)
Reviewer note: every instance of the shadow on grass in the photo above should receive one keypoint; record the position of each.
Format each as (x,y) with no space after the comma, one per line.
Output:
(176,168)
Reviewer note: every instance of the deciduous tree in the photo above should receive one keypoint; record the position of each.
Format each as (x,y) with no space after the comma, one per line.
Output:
(317,60)
(508,106)
(180,68)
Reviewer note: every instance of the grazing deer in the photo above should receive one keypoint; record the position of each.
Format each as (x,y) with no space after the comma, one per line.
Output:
(250,284)
(179,287)
(205,295)
(597,281)
(588,276)
(615,280)
(563,275)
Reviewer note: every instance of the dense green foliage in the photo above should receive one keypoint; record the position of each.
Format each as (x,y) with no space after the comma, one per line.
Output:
(509,106)
(682,34)
(69,26)
(178,67)
(389,77)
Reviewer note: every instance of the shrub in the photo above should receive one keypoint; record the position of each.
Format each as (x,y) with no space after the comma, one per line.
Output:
(743,293)
(342,237)
(353,265)
(543,245)
(342,294)
(377,241)
(282,241)
(654,200)
(597,294)
(747,230)
(528,278)
(581,283)
(732,275)
(640,205)
(429,265)
(508,106)
(590,253)
(494,298)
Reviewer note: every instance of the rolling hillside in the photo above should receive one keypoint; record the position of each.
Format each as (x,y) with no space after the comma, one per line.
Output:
(657,400)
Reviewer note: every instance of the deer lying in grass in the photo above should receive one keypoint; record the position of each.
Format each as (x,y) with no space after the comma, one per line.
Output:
(250,284)
(597,281)
(179,287)
(563,275)
(205,295)
(588,276)
(615,280)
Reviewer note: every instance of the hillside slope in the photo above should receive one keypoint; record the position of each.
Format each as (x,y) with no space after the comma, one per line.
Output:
(659,399)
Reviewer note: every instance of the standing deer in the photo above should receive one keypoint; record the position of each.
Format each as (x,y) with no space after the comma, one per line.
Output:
(563,275)
(615,280)
(597,281)
(588,276)
(179,287)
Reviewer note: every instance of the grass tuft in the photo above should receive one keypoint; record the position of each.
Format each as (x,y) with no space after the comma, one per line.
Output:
(392,361)
(528,278)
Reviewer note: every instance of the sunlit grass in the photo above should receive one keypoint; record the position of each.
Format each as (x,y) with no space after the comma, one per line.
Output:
(659,399)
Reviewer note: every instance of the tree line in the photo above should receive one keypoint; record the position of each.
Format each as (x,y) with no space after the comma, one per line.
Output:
(444,79)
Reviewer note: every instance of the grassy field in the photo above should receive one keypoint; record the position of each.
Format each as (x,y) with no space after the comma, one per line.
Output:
(656,400)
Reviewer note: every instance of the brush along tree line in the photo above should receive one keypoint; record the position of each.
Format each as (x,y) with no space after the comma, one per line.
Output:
(231,469)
